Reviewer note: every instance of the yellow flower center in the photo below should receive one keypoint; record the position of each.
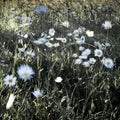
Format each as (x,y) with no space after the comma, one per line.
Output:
(25,73)
(108,63)
(10,81)
(99,53)
(108,26)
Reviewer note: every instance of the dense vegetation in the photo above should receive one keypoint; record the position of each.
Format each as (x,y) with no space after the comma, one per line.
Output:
(60,60)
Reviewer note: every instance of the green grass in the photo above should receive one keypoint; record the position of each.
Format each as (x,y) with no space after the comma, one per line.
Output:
(85,93)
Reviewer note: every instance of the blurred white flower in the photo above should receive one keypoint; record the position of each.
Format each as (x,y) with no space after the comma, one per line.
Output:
(81,48)
(86,52)
(98,53)
(64,40)
(78,61)
(58,79)
(52,32)
(37,93)
(92,60)
(40,40)
(10,80)
(56,44)
(51,39)
(48,44)
(21,49)
(25,72)
(83,57)
(107,44)
(69,34)
(30,53)
(74,55)
(25,36)
(65,24)
(10,101)
(80,41)
(108,63)
(86,64)
(107,24)
(90,33)
(76,33)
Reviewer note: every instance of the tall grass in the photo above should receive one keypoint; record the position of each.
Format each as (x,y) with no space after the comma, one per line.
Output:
(85,93)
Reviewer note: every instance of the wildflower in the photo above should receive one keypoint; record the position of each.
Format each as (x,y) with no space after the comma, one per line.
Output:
(37,93)
(25,36)
(76,33)
(10,101)
(107,44)
(21,49)
(98,52)
(81,48)
(107,24)
(30,53)
(78,61)
(92,60)
(80,41)
(83,57)
(40,41)
(56,44)
(69,34)
(25,72)
(58,79)
(75,55)
(64,40)
(90,33)
(86,64)
(51,32)
(41,8)
(86,52)
(83,38)
(65,24)
(48,44)
(108,62)
(10,80)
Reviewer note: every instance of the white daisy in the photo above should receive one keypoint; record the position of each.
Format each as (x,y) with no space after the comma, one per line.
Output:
(65,24)
(21,49)
(74,55)
(76,33)
(25,72)
(64,40)
(86,52)
(83,57)
(92,60)
(40,40)
(51,32)
(86,64)
(90,33)
(10,80)
(98,53)
(80,41)
(108,62)
(30,53)
(81,48)
(56,45)
(78,61)
(37,93)
(58,79)
(107,24)
(10,101)
(48,44)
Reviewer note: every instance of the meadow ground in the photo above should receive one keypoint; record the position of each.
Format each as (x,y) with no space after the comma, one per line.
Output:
(60,60)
